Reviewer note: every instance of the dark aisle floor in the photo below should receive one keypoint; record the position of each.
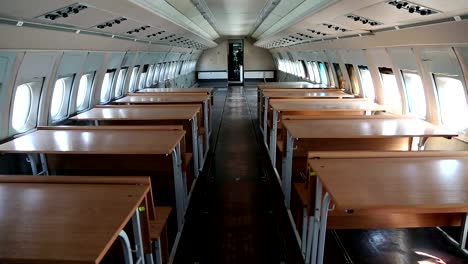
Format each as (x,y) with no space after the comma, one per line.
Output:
(232,216)
(236,213)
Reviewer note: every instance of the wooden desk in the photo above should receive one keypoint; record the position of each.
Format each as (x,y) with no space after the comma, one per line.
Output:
(266,95)
(178,90)
(351,134)
(384,187)
(280,107)
(202,99)
(180,115)
(112,143)
(47,220)
(290,85)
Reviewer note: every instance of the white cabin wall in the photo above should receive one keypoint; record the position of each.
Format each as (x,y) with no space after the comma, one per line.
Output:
(213,63)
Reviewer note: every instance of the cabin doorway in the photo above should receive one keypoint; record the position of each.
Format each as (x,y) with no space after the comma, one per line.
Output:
(236,61)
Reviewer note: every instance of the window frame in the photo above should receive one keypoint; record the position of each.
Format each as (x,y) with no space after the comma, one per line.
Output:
(35,85)
(462,131)
(64,110)
(109,88)
(122,85)
(385,92)
(364,82)
(408,98)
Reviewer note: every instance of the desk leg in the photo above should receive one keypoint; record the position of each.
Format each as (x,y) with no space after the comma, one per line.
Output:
(138,237)
(207,125)
(259,112)
(178,186)
(464,234)
(184,178)
(32,161)
(310,223)
(196,159)
(273,138)
(127,250)
(305,224)
(422,143)
(265,120)
(323,228)
(45,168)
(316,219)
(286,173)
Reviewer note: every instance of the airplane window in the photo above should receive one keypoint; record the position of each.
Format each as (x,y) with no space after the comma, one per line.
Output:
(452,102)
(323,73)
(142,82)
(163,72)
(392,97)
(21,107)
(60,96)
(106,87)
(301,68)
(316,72)
(330,75)
(83,91)
(353,78)
(150,73)
(133,77)
(414,94)
(367,84)
(119,87)
(156,73)
(339,75)
(311,71)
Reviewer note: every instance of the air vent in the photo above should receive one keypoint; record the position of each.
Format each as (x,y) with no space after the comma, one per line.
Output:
(413,8)
(364,20)
(110,23)
(64,12)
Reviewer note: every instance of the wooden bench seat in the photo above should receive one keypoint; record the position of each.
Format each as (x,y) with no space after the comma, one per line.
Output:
(158,233)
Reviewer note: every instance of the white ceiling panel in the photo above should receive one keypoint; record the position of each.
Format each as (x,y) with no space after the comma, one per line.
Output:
(30,9)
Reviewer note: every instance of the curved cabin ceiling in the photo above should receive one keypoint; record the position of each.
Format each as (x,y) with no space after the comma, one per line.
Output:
(197,24)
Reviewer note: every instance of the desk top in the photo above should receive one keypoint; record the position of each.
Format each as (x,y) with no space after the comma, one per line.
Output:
(176,90)
(138,113)
(164,99)
(95,142)
(417,184)
(282,89)
(60,223)
(364,128)
(307,94)
(290,85)
(324,105)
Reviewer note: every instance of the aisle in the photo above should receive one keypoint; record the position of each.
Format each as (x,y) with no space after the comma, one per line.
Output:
(232,218)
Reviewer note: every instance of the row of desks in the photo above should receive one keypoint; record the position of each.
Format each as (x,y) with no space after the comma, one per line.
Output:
(148,139)
(300,120)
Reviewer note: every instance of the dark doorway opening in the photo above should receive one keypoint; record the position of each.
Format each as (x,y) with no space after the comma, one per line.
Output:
(236,61)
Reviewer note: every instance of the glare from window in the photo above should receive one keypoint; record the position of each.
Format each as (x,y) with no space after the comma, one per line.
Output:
(391,93)
(149,80)
(131,85)
(311,71)
(415,94)
(141,85)
(156,73)
(323,74)
(316,72)
(367,84)
(119,87)
(58,98)
(162,73)
(452,103)
(82,91)
(106,86)
(21,106)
